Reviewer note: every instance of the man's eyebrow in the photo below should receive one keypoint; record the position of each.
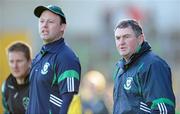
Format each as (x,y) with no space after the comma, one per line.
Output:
(123,35)
(127,34)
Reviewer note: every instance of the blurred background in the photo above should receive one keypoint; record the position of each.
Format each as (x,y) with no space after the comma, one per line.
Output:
(90,25)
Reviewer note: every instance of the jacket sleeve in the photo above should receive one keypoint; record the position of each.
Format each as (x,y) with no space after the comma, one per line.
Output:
(68,79)
(157,89)
(68,74)
(67,98)
(5,106)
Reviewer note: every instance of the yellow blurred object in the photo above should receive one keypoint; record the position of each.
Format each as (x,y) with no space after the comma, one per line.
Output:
(93,85)
(97,79)
(75,106)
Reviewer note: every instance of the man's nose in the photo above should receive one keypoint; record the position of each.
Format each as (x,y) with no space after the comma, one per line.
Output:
(45,23)
(121,41)
(14,65)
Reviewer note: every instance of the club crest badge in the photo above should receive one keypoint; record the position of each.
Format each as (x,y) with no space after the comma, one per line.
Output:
(25,102)
(45,68)
(128,83)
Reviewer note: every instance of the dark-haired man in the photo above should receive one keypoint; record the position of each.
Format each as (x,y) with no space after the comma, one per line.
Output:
(143,81)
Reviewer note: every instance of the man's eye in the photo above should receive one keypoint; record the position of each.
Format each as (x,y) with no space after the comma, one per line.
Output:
(51,21)
(11,62)
(117,38)
(41,21)
(126,36)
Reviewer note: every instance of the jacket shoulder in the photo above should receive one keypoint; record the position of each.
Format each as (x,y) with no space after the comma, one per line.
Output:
(3,87)
(152,58)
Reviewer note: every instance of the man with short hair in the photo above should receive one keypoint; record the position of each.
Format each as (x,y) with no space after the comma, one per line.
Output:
(56,70)
(142,80)
(15,89)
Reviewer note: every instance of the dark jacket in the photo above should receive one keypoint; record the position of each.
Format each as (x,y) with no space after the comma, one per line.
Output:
(143,85)
(15,97)
(55,74)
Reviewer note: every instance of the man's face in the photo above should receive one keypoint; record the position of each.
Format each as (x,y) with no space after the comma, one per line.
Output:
(127,42)
(18,64)
(50,28)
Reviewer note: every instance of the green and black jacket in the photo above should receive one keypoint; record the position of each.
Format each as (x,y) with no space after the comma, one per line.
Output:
(15,97)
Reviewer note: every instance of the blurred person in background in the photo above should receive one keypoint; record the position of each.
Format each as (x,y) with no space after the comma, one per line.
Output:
(15,89)
(142,82)
(92,93)
(56,70)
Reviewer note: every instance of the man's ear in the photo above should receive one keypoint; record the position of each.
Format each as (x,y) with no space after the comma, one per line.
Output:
(63,27)
(29,62)
(141,39)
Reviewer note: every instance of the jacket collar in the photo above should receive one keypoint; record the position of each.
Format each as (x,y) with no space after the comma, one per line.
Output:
(52,47)
(12,80)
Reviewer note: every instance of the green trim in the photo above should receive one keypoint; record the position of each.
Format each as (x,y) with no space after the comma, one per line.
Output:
(140,67)
(55,76)
(126,66)
(43,52)
(54,79)
(3,87)
(137,78)
(138,48)
(5,106)
(138,83)
(68,73)
(115,73)
(162,100)
(50,112)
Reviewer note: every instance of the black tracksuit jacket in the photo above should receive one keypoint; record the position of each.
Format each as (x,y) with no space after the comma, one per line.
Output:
(15,97)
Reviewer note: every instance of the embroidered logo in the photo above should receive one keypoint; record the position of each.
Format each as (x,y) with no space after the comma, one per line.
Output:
(127,85)
(25,101)
(45,68)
